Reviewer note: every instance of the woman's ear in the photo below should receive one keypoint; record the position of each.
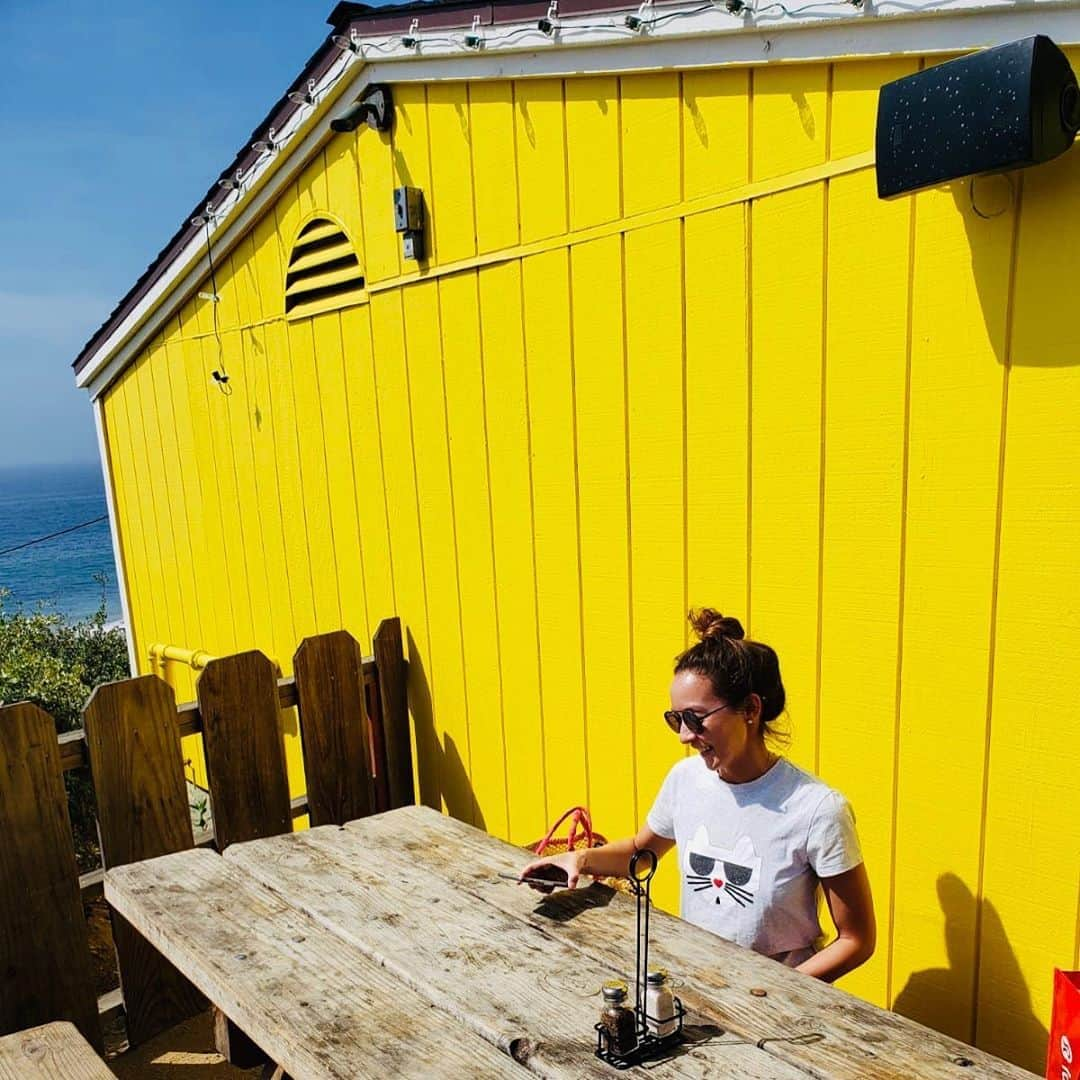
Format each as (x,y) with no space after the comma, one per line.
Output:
(752,710)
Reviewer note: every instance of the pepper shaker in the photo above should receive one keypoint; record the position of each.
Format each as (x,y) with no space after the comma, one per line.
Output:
(619,1022)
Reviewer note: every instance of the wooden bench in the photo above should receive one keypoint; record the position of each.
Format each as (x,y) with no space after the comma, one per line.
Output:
(50,1051)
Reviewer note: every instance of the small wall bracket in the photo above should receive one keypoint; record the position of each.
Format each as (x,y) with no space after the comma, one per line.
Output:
(409,221)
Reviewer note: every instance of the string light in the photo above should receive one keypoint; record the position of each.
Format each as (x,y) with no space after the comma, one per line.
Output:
(637,23)
(347,44)
(474,39)
(267,145)
(550,23)
(303,97)
(552,27)
(231,183)
(205,218)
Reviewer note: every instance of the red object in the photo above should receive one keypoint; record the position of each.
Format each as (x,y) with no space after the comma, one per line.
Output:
(579,819)
(1063,1053)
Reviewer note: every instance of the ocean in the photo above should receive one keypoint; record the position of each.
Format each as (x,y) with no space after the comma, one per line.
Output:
(59,574)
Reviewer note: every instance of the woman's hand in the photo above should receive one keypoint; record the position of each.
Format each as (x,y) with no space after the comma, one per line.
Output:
(562,871)
(610,860)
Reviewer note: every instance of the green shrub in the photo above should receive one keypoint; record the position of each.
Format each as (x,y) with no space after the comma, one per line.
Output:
(55,662)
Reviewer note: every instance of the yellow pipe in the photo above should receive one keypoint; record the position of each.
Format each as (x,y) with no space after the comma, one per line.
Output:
(160,655)
(193,658)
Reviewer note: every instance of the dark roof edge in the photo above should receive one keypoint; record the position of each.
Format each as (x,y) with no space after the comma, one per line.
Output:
(385,19)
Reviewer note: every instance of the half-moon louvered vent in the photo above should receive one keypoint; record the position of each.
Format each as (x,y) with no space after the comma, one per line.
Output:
(323,266)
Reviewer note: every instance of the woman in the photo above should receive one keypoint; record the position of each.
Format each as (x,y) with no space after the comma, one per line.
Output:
(756,835)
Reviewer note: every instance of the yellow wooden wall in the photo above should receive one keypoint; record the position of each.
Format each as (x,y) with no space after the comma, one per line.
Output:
(615,394)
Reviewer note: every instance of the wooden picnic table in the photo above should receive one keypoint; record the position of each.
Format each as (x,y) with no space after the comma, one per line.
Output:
(50,1051)
(391,946)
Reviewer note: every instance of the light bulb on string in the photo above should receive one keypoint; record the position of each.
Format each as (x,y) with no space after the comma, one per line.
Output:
(267,145)
(303,97)
(411,40)
(231,183)
(549,24)
(474,39)
(206,218)
(347,44)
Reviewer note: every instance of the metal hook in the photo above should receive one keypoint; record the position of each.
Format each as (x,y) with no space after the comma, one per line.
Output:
(1012,197)
(649,856)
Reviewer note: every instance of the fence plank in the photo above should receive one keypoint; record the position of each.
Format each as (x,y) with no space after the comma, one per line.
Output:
(334,728)
(44,954)
(390,661)
(249,788)
(134,747)
(245,748)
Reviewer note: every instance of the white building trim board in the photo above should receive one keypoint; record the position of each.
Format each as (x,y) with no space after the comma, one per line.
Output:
(114,532)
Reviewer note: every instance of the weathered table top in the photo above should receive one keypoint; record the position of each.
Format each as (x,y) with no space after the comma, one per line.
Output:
(50,1051)
(391,946)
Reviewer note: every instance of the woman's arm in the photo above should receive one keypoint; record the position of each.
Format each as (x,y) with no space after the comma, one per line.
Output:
(852,910)
(611,860)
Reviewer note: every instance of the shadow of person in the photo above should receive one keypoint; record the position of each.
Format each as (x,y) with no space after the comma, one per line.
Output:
(443,776)
(943,998)
(1006,1024)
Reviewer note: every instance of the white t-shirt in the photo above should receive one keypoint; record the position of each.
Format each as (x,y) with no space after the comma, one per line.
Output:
(750,855)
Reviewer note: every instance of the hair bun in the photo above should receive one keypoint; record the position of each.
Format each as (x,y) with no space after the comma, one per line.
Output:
(708,623)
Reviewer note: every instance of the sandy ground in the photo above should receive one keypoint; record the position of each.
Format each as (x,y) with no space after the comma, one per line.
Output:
(185,1052)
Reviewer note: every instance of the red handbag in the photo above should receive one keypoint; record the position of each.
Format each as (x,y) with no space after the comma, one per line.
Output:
(1063,1053)
(581,831)
(580,834)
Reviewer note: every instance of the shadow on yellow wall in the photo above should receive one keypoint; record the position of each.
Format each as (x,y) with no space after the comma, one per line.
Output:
(443,779)
(941,997)
(1029,283)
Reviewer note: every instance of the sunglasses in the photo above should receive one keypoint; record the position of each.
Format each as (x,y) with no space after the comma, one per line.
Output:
(695,722)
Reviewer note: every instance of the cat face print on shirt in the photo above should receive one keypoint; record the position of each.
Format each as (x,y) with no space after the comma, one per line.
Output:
(732,874)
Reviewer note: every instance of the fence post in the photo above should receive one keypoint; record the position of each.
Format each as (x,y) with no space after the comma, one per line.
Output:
(133,743)
(390,662)
(45,958)
(334,728)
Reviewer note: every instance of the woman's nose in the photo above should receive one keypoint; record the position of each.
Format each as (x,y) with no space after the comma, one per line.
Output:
(685,734)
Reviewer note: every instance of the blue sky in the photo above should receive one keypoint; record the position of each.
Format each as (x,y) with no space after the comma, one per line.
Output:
(117,116)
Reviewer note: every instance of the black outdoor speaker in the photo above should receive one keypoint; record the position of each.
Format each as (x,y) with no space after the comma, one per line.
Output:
(998,109)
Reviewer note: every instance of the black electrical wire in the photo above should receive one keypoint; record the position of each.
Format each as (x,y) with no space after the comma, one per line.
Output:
(53,536)
(677,14)
(220,374)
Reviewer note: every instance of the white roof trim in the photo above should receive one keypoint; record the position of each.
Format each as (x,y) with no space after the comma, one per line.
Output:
(583,45)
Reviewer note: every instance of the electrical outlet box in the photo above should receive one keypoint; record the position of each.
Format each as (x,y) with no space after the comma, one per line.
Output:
(413,245)
(408,209)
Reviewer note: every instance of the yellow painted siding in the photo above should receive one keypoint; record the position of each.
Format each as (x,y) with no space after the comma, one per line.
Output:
(510,479)
(850,423)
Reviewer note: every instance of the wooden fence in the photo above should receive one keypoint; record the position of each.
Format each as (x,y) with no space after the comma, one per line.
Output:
(357,759)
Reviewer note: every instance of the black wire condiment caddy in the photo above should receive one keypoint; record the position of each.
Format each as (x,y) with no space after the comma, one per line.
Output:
(646,1042)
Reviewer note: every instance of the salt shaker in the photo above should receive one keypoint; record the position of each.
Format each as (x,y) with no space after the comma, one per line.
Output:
(659,1005)
(620,1025)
